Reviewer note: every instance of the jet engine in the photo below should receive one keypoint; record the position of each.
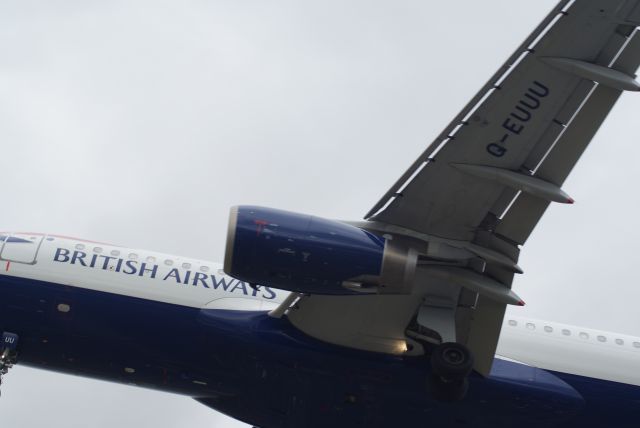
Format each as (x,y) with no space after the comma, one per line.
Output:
(307,254)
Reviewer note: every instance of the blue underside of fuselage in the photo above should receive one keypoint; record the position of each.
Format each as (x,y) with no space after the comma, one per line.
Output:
(263,371)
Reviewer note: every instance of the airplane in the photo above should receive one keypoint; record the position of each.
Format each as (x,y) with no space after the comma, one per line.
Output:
(399,318)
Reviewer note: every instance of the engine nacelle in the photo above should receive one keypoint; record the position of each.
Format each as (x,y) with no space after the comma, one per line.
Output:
(307,254)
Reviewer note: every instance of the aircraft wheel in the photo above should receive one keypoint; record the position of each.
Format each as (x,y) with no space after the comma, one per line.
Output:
(451,361)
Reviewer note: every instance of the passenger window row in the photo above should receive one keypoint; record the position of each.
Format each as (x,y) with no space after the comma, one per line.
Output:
(566,332)
(134,256)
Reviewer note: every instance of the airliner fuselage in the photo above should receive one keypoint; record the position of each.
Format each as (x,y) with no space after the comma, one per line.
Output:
(183,326)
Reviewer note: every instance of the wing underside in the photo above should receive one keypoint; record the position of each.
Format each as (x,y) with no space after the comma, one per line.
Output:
(488,178)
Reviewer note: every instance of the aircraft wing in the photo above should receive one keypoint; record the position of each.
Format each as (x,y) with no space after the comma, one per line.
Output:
(488,178)
(515,120)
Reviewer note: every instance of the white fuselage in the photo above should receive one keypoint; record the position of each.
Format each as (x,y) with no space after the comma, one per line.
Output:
(571,349)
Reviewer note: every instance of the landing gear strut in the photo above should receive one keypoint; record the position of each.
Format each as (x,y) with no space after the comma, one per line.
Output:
(451,364)
(8,353)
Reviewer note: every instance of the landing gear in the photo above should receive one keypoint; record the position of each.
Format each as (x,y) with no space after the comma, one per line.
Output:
(8,353)
(451,364)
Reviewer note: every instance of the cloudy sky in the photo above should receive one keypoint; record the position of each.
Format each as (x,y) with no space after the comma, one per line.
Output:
(141,122)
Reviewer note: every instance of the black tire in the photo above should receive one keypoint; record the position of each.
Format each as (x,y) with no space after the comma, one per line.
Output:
(450,391)
(451,361)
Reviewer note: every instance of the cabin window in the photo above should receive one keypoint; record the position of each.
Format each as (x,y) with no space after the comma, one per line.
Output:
(115,253)
(619,342)
(151,259)
(636,344)
(80,247)
(602,339)
(186,265)
(168,262)
(566,332)
(513,323)
(204,268)
(97,250)
(50,238)
(531,326)
(584,335)
(133,256)
(548,329)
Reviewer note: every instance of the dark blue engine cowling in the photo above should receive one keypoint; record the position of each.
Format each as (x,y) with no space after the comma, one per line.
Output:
(299,252)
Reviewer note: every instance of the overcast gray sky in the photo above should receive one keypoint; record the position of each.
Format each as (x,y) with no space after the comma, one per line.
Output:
(141,122)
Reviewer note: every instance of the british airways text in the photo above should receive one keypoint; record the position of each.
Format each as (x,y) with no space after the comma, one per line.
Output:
(185,277)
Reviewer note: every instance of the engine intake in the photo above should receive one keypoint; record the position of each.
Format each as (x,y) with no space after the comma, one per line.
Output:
(308,254)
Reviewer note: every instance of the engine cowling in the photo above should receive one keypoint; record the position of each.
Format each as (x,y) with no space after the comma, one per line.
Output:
(308,254)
